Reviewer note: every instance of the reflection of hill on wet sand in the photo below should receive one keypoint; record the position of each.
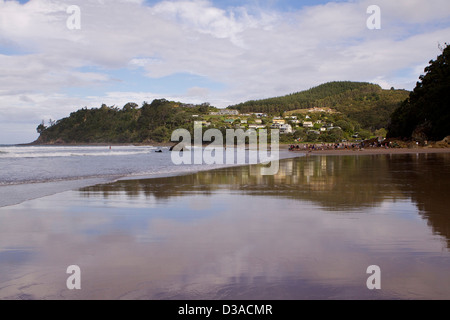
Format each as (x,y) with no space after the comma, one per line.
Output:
(335,183)
(426,179)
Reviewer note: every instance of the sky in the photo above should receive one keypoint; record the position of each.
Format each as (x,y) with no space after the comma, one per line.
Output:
(54,62)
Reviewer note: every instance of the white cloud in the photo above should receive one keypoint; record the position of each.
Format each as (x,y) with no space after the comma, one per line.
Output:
(198,92)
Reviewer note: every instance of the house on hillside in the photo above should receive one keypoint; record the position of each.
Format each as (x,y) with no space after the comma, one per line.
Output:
(285,129)
(279,121)
(275,126)
(331,128)
(308,124)
(260,115)
(256,126)
(225,112)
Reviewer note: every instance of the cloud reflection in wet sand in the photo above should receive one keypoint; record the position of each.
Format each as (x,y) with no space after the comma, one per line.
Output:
(309,232)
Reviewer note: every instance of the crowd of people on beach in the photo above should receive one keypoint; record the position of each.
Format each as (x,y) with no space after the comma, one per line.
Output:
(341,146)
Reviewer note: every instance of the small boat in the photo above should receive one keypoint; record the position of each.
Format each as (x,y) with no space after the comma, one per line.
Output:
(158,151)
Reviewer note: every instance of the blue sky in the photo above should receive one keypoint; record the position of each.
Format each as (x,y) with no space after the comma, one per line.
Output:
(222,52)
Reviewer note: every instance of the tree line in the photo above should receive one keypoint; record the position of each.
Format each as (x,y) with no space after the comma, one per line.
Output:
(153,122)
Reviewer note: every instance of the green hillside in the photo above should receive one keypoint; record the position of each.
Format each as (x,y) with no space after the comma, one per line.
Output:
(153,122)
(365,103)
(358,111)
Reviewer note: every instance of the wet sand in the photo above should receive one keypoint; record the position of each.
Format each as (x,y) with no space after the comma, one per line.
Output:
(309,232)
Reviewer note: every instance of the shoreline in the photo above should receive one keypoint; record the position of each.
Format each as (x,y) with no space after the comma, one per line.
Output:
(92,144)
(282,146)
(39,192)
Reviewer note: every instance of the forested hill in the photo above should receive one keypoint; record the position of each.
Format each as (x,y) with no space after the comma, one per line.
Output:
(153,122)
(359,106)
(365,103)
(425,115)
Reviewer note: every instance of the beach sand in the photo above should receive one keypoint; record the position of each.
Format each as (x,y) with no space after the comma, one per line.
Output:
(309,232)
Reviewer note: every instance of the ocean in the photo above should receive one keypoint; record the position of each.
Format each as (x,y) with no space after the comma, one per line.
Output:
(29,172)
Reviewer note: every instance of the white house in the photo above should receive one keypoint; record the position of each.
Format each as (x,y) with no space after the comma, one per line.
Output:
(275,126)
(279,120)
(260,115)
(331,128)
(256,126)
(308,124)
(225,112)
(285,129)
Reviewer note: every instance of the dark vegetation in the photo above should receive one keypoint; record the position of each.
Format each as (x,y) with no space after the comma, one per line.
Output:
(425,115)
